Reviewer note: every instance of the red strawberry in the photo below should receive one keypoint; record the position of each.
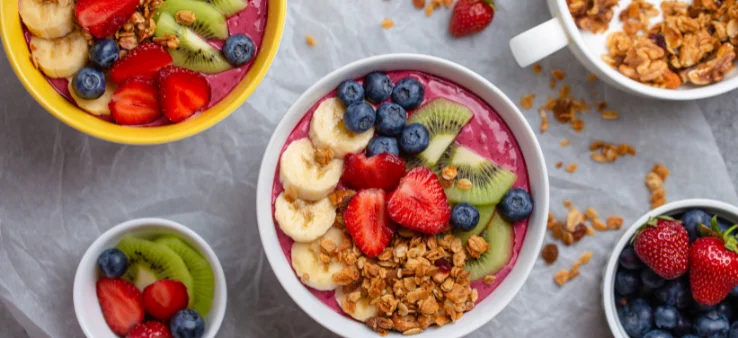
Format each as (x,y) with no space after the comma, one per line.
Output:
(136,101)
(663,244)
(381,171)
(164,298)
(121,303)
(367,221)
(419,202)
(143,61)
(471,16)
(182,93)
(150,330)
(104,17)
(713,266)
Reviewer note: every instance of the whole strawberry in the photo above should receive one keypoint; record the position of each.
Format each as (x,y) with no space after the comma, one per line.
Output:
(471,16)
(663,244)
(713,267)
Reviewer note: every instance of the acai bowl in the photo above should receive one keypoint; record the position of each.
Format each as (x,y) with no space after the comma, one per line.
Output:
(124,78)
(334,195)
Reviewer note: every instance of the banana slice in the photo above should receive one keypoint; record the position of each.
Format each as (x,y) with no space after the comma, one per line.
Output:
(300,171)
(97,107)
(304,221)
(48,20)
(328,131)
(361,310)
(62,57)
(311,271)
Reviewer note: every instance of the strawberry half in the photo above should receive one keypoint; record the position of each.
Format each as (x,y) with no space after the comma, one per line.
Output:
(471,16)
(143,61)
(121,303)
(663,244)
(104,17)
(162,299)
(713,267)
(382,171)
(367,221)
(150,330)
(182,93)
(135,102)
(419,202)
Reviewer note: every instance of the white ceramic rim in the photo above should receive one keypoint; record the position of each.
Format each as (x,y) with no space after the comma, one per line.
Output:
(86,313)
(608,301)
(532,153)
(666,94)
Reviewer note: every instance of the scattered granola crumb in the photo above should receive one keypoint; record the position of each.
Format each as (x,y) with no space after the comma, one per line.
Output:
(527,101)
(561,277)
(614,222)
(310,40)
(590,231)
(572,167)
(654,182)
(598,225)
(537,68)
(387,23)
(558,74)
(544,120)
(429,10)
(564,276)
(559,164)
(564,142)
(601,106)
(610,115)
(591,77)
(419,4)
(550,253)
(660,170)
(609,152)
(552,84)
(591,213)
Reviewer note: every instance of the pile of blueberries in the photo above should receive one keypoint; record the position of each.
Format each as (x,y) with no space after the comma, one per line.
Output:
(651,307)
(389,119)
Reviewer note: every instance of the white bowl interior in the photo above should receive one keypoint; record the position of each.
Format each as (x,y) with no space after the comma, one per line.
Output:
(461,76)
(86,305)
(590,47)
(721,209)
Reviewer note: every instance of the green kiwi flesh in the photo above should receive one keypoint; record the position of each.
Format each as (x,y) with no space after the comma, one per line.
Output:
(203,280)
(229,8)
(194,52)
(485,214)
(209,22)
(489,181)
(444,119)
(501,237)
(149,262)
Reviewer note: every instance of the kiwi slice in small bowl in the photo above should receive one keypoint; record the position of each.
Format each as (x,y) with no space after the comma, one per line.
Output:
(194,52)
(501,237)
(209,23)
(489,181)
(444,119)
(203,279)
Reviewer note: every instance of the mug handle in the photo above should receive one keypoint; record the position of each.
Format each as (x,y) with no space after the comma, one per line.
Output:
(539,42)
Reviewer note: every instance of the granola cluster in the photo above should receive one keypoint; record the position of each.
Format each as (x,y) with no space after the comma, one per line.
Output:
(592,15)
(655,183)
(140,27)
(607,152)
(573,228)
(564,276)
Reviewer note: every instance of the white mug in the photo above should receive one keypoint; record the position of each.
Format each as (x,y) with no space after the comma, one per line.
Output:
(561,31)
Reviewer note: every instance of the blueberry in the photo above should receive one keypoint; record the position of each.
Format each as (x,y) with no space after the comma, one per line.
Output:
(239,49)
(350,92)
(658,334)
(651,280)
(464,216)
(89,83)
(187,324)
(626,282)
(689,336)
(712,325)
(734,330)
(359,117)
(414,139)
(378,87)
(516,205)
(692,220)
(391,119)
(104,53)
(636,318)
(629,260)
(666,317)
(408,93)
(382,144)
(726,309)
(674,293)
(113,263)
(734,292)
(683,326)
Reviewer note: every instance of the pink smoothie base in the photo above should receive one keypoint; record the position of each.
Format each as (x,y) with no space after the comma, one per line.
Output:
(486,134)
(250,21)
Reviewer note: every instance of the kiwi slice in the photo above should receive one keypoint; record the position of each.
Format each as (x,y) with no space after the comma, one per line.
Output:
(501,237)
(444,119)
(209,22)
(229,8)
(485,214)
(203,279)
(489,181)
(194,52)
(149,262)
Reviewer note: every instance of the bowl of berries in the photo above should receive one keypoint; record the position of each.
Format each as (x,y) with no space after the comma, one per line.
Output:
(675,273)
(148,278)
(141,71)
(402,194)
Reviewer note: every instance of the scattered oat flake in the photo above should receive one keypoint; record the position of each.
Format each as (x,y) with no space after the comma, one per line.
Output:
(591,77)
(571,168)
(527,101)
(610,115)
(565,142)
(387,23)
(310,40)
(537,68)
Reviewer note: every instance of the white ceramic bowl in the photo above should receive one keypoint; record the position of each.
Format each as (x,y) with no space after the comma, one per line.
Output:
(561,31)
(86,305)
(463,77)
(712,207)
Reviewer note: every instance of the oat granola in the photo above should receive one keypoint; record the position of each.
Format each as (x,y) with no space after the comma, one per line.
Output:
(592,15)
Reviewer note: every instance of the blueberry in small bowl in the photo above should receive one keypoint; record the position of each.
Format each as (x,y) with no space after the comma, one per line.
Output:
(377,87)
(629,260)
(658,334)
(666,317)
(637,318)
(187,324)
(712,324)
(113,263)
(382,144)
(391,118)
(359,117)
(408,93)
(104,53)
(350,92)
(651,280)
(626,283)
(692,220)
(414,139)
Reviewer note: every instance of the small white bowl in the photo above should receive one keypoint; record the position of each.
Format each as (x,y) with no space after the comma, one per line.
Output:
(495,302)
(86,305)
(721,209)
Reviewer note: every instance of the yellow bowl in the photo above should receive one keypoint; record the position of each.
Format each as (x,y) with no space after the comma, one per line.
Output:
(17,51)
